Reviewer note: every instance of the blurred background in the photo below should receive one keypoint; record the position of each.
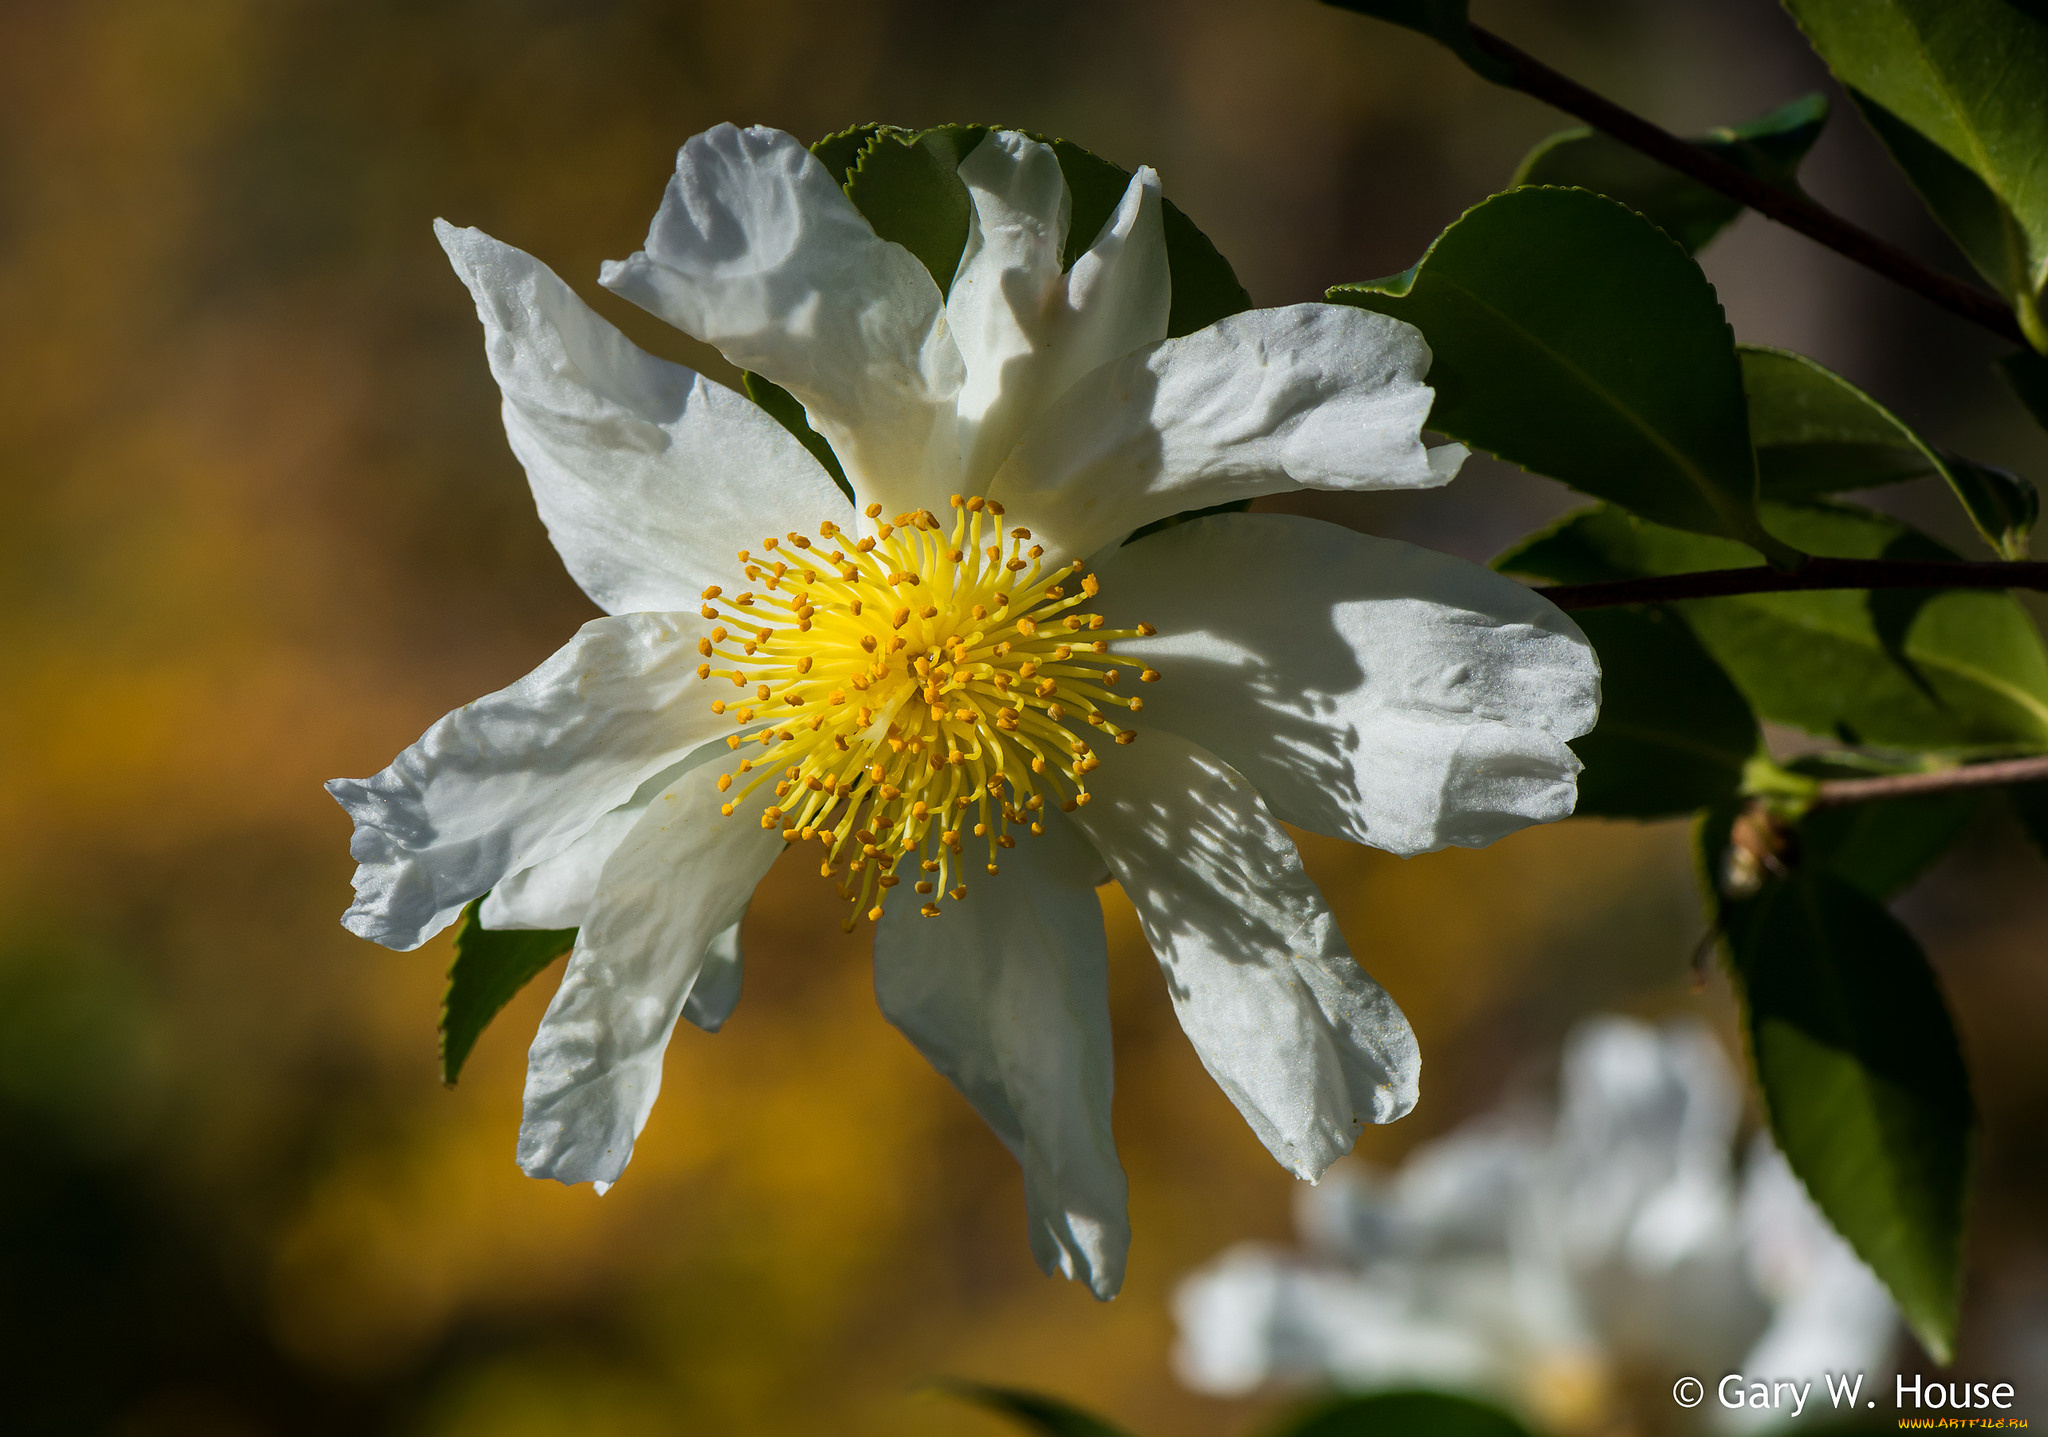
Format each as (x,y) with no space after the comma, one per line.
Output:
(262,527)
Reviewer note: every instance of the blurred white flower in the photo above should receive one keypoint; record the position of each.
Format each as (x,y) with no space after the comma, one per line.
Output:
(1560,1268)
(921,696)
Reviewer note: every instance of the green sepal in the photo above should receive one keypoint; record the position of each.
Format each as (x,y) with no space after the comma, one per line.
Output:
(1816,433)
(1674,733)
(785,409)
(1864,1082)
(1769,147)
(1574,338)
(491,966)
(1962,671)
(1032,1411)
(838,151)
(1953,88)
(1402,1414)
(907,185)
(1444,21)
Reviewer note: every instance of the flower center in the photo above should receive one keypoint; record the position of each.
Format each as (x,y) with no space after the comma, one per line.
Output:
(912,687)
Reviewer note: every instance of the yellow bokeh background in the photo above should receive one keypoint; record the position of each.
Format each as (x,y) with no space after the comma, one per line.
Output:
(262,528)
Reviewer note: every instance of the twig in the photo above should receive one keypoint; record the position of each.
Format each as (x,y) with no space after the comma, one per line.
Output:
(1813,574)
(1533,77)
(1836,791)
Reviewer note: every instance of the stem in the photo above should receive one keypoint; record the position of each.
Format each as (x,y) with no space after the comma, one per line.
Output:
(1836,791)
(1813,574)
(1533,77)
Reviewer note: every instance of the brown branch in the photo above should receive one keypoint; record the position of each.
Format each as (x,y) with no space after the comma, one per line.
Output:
(1533,77)
(1812,574)
(1837,791)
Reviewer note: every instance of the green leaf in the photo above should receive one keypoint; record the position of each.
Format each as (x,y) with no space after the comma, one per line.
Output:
(1816,433)
(1881,847)
(1031,1410)
(1590,546)
(1864,1083)
(1403,1414)
(1982,227)
(907,185)
(1573,338)
(1444,21)
(1953,88)
(1769,147)
(1956,670)
(1674,733)
(785,409)
(2028,376)
(2003,505)
(491,965)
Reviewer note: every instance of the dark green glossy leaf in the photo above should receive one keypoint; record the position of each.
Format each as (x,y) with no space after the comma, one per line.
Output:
(1864,1082)
(1953,88)
(1958,670)
(1769,147)
(1444,21)
(1573,338)
(785,409)
(1674,733)
(2028,376)
(491,965)
(1403,1414)
(1033,1411)
(2003,505)
(1816,433)
(906,184)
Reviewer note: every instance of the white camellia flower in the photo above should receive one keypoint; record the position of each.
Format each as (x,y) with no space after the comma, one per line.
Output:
(1561,1270)
(911,682)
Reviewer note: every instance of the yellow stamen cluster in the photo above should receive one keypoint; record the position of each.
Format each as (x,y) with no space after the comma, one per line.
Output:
(910,688)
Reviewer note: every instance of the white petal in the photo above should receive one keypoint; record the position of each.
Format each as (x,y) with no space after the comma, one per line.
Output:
(1370,689)
(1831,1314)
(1007,994)
(648,476)
(1254,1316)
(682,877)
(1008,280)
(1025,330)
(1308,1047)
(1313,396)
(556,892)
(717,990)
(758,251)
(518,775)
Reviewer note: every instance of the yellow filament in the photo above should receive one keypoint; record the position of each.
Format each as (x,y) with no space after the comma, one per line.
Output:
(917,686)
